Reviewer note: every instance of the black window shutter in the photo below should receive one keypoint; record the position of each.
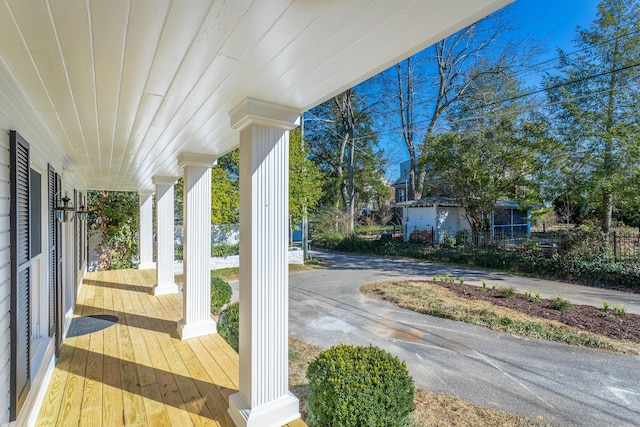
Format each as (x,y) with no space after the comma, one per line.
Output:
(51,191)
(58,302)
(20,273)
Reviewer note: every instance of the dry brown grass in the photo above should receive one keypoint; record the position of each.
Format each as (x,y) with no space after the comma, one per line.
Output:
(432,409)
(431,299)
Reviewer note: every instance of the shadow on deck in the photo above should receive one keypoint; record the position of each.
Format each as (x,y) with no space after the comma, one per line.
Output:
(129,367)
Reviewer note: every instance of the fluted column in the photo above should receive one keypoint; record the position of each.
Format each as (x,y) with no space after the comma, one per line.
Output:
(146,229)
(264,398)
(165,281)
(196,311)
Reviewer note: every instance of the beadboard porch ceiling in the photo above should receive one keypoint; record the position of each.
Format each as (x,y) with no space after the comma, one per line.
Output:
(123,86)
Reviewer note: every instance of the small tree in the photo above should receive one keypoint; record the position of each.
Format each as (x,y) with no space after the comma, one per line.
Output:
(116,215)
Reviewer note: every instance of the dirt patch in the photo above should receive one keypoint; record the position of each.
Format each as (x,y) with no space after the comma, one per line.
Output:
(588,318)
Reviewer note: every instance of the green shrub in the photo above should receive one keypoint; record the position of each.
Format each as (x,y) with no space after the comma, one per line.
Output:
(359,386)
(220,294)
(223,249)
(508,292)
(561,304)
(228,324)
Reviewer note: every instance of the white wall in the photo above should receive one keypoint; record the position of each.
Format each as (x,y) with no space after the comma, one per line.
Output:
(421,218)
(5,277)
(41,154)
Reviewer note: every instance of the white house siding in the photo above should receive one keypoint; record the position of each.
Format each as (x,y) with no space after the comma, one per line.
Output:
(421,218)
(42,354)
(5,285)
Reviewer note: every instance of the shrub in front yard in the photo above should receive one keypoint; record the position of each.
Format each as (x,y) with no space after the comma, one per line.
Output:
(228,324)
(220,294)
(359,386)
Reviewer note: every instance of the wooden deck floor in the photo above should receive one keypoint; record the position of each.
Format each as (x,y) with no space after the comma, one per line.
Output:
(137,371)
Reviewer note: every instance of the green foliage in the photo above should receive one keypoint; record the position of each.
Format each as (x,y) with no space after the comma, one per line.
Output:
(508,292)
(482,167)
(220,294)
(533,296)
(579,263)
(116,214)
(592,100)
(224,249)
(225,195)
(610,311)
(305,179)
(228,324)
(561,304)
(359,386)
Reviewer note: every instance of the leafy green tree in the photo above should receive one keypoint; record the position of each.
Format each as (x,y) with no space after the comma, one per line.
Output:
(594,100)
(482,168)
(225,198)
(305,179)
(496,150)
(117,215)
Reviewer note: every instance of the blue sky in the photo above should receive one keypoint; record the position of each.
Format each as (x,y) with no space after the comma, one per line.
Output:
(551,22)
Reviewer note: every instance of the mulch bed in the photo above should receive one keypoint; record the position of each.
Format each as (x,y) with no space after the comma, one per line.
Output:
(585,317)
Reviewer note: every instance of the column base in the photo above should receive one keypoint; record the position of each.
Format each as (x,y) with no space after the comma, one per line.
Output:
(196,329)
(169,288)
(273,414)
(146,265)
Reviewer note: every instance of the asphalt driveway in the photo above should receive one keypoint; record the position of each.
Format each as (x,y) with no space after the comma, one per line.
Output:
(564,385)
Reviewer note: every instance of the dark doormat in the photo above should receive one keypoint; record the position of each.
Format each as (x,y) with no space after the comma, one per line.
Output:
(88,324)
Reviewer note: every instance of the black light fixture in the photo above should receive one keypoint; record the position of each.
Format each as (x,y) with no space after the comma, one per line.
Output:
(65,213)
(82,213)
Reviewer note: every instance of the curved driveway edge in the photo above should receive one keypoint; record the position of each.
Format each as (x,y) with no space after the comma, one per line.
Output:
(561,384)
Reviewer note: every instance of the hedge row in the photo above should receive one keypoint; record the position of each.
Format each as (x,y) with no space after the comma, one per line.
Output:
(597,270)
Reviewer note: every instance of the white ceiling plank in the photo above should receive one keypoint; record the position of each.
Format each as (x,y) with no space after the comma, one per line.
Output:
(146,20)
(108,28)
(75,45)
(182,25)
(122,86)
(18,59)
(35,26)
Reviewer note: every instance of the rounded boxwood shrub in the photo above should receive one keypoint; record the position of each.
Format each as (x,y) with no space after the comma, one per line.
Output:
(220,294)
(359,386)
(228,324)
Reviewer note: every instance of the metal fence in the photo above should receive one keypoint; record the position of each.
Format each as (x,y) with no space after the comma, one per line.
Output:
(619,245)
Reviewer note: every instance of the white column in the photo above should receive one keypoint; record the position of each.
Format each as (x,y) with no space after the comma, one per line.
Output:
(165,233)
(197,318)
(264,398)
(146,229)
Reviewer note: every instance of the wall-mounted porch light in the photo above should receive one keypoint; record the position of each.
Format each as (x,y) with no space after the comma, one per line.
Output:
(82,213)
(66,212)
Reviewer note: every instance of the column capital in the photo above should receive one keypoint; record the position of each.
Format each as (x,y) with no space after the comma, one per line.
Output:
(255,112)
(145,192)
(195,159)
(164,180)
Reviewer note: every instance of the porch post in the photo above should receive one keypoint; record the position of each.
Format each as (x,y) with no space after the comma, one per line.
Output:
(196,310)
(165,282)
(146,229)
(264,398)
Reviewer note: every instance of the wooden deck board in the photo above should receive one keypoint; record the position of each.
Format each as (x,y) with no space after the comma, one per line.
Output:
(138,371)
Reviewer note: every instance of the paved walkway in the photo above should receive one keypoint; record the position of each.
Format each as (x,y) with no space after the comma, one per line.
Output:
(563,385)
